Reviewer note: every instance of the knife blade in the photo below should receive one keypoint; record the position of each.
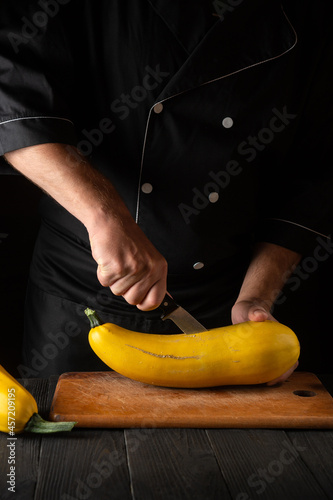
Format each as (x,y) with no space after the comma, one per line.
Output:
(183,319)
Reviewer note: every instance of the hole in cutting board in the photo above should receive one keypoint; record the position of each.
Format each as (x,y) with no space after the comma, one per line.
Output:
(305,394)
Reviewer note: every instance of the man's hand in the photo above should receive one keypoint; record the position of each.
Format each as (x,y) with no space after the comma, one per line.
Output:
(250,310)
(256,310)
(129,264)
(268,271)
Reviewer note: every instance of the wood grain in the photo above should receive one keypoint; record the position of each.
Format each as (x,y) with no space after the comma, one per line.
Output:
(174,464)
(91,465)
(107,399)
(266,464)
(317,454)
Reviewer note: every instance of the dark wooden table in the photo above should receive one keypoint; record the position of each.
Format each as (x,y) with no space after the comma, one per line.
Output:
(168,464)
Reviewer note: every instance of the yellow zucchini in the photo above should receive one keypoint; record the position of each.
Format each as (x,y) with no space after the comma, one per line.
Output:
(19,411)
(246,353)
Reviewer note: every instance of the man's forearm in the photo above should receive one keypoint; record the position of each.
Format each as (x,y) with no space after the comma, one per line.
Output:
(269,269)
(127,261)
(62,173)
(268,272)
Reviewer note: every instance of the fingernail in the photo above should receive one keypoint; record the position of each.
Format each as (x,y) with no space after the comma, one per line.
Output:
(259,311)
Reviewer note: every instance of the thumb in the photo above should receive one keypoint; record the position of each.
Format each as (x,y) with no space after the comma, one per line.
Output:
(250,310)
(259,313)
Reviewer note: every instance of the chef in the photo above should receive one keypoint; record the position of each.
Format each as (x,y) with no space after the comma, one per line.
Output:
(181,146)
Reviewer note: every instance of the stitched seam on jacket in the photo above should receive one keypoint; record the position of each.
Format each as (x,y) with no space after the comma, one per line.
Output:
(299,225)
(35,118)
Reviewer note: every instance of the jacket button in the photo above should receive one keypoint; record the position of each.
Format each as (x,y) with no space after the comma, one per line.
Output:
(198,265)
(227,122)
(213,197)
(158,108)
(146,188)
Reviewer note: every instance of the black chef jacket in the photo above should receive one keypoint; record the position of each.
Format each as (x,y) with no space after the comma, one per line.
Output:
(212,119)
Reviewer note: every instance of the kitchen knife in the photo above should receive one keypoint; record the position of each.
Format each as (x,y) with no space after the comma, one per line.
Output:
(183,319)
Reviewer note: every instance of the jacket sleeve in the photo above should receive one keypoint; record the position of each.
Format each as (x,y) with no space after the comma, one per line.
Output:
(301,215)
(35,75)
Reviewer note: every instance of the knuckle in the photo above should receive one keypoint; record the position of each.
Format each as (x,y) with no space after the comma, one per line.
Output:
(116,291)
(152,304)
(103,278)
(151,301)
(131,300)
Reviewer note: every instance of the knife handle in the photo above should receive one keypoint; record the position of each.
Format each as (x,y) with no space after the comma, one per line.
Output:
(167,306)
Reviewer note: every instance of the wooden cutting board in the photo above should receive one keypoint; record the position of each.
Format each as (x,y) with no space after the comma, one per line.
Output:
(107,399)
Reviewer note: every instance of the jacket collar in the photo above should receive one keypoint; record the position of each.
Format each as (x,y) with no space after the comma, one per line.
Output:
(255,32)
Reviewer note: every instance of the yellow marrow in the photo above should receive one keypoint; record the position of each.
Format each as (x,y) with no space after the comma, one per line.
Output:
(19,411)
(246,353)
